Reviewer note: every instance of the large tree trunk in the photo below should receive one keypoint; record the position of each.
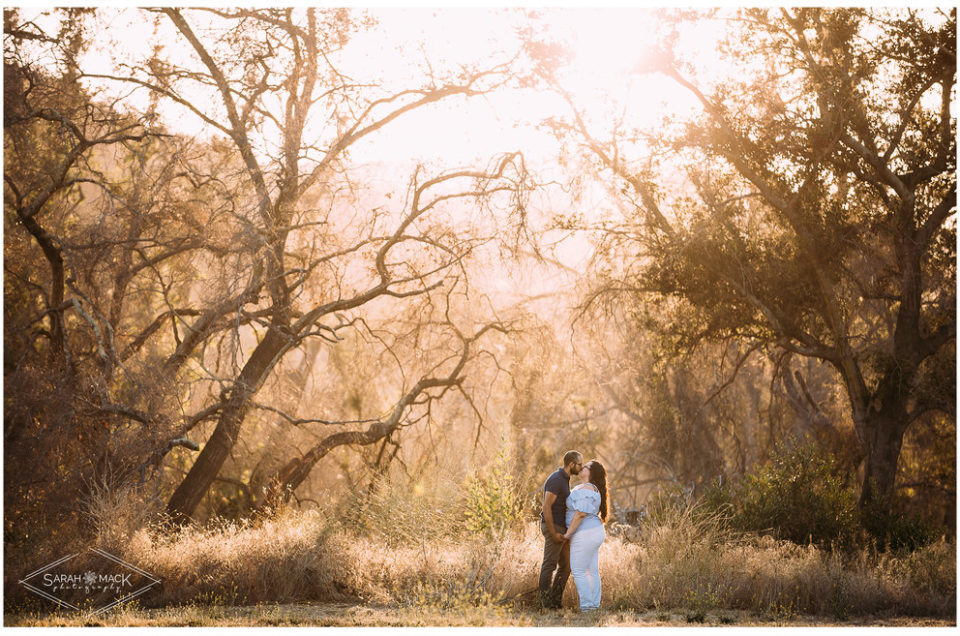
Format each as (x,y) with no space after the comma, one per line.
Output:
(187,496)
(882,452)
(271,458)
(296,471)
(881,419)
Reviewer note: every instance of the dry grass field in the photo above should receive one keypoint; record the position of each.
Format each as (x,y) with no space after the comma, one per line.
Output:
(312,569)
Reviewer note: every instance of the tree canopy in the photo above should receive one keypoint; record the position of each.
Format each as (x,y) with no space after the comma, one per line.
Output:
(212,316)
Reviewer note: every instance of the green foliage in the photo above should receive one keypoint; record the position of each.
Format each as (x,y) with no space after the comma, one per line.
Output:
(802,496)
(493,501)
(792,124)
(717,499)
(798,496)
(895,530)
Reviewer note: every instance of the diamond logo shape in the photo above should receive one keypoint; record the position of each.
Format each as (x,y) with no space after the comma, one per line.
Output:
(94,581)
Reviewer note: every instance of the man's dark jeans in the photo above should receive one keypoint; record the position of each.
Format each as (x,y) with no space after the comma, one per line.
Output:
(555,557)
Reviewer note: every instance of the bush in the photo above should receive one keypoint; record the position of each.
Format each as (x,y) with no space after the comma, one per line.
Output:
(798,496)
(493,501)
(898,531)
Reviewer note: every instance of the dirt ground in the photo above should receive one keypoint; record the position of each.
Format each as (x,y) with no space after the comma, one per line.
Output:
(350,615)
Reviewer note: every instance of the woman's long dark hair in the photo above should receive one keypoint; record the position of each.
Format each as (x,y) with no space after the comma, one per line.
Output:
(598,477)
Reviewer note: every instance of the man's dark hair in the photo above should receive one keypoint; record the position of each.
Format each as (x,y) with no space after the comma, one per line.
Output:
(571,457)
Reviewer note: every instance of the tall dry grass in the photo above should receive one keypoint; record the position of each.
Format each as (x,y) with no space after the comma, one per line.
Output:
(691,561)
(410,550)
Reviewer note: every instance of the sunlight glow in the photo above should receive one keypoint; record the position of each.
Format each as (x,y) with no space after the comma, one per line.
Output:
(403,48)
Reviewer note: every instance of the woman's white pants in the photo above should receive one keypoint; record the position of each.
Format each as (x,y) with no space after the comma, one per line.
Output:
(585,565)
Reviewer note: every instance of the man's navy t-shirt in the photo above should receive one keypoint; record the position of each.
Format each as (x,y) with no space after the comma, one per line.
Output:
(559,484)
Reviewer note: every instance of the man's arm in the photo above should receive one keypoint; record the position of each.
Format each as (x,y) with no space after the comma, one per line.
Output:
(548,499)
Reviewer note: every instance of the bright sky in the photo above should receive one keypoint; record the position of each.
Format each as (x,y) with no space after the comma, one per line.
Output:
(604,45)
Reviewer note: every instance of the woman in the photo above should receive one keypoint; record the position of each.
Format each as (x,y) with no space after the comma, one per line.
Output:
(586,514)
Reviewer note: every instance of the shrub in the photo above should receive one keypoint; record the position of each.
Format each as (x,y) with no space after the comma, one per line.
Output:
(896,530)
(801,496)
(493,501)
(798,496)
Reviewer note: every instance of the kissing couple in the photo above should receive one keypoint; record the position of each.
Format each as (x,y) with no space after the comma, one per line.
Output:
(572,525)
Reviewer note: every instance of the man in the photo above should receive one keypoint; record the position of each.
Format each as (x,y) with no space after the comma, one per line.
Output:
(556,551)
